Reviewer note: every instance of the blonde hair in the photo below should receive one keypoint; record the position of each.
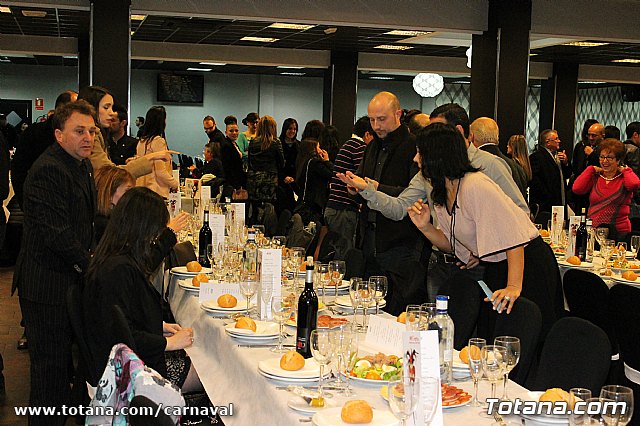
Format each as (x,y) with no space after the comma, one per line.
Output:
(520,153)
(108,180)
(266,132)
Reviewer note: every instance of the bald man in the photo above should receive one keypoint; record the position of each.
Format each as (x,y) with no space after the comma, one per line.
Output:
(484,134)
(595,136)
(389,245)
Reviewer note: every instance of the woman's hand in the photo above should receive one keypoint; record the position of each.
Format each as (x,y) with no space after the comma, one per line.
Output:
(420,215)
(180,339)
(178,223)
(506,296)
(472,263)
(622,169)
(288,179)
(170,329)
(352,180)
(164,155)
(324,155)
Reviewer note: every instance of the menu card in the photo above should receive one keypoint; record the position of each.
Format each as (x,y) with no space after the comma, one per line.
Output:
(192,188)
(174,203)
(216,223)
(205,197)
(574,223)
(213,289)
(270,264)
(239,212)
(384,335)
(557,223)
(176,175)
(421,358)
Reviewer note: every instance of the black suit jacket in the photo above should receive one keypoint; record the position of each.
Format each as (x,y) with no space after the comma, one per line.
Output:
(517,172)
(545,184)
(59,210)
(232,164)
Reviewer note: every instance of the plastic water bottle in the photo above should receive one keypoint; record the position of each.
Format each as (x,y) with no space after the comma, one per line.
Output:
(445,338)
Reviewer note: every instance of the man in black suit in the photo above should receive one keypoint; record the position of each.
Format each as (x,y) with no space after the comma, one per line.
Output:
(213,133)
(484,134)
(59,208)
(4,193)
(549,167)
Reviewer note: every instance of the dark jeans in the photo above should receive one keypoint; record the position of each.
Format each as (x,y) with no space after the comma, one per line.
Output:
(343,222)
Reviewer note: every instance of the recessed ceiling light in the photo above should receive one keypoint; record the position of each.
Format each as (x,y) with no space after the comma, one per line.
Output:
(393,47)
(408,33)
(214,64)
(330,30)
(380,77)
(259,39)
(292,73)
(70,57)
(5,9)
(198,69)
(285,26)
(133,32)
(627,61)
(138,17)
(533,54)
(592,82)
(4,59)
(288,67)
(34,13)
(584,44)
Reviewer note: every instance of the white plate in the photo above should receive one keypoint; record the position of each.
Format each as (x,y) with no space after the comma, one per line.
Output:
(298,403)
(287,380)
(329,288)
(263,329)
(544,418)
(182,270)
(331,417)
(624,281)
(457,363)
(251,342)
(344,303)
(212,306)
(186,284)
(271,366)
(583,265)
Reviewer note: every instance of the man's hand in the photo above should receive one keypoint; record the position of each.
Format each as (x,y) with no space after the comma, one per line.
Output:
(588,150)
(562,156)
(373,182)
(352,180)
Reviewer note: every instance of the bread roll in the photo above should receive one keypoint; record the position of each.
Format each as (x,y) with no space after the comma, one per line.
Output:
(630,275)
(291,361)
(574,260)
(558,395)
(194,266)
(402,318)
(356,411)
(200,278)
(227,301)
(246,323)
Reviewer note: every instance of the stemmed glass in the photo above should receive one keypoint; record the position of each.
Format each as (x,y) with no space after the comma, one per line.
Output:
(427,313)
(281,310)
(635,244)
(621,251)
(606,250)
(617,416)
(248,288)
(379,285)
(601,235)
(475,367)
(210,254)
(579,394)
(404,395)
(337,269)
(342,338)
(413,317)
(322,350)
(366,298)
(494,360)
(266,291)
(323,278)
(355,295)
(512,344)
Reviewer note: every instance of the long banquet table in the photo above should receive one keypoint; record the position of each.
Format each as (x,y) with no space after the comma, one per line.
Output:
(230,374)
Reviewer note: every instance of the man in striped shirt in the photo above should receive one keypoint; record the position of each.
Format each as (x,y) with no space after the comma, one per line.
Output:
(341,212)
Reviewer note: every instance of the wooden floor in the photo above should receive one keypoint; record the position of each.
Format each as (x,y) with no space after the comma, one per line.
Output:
(16,363)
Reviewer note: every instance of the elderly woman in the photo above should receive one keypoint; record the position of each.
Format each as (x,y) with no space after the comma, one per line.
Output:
(610,188)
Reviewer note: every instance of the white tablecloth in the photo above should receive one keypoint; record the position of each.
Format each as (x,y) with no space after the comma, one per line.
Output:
(230,374)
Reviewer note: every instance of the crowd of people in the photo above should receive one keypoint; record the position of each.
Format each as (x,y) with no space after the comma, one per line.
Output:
(430,201)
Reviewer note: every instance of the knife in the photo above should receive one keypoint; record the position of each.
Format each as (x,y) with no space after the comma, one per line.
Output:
(265,346)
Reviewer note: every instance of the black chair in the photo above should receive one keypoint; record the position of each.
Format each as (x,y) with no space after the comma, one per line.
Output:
(525,323)
(406,286)
(576,353)
(180,255)
(465,300)
(283,222)
(146,417)
(74,310)
(542,218)
(354,261)
(587,296)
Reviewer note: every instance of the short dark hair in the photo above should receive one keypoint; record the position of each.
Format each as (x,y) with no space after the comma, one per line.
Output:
(93,95)
(614,146)
(611,132)
(362,126)
(140,119)
(207,118)
(443,155)
(312,130)
(65,111)
(64,98)
(633,127)
(121,110)
(230,119)
(454,114)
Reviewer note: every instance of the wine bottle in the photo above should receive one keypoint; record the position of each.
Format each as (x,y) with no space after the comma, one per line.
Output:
(582,238)
(307,313)
(250,256)
(204,239)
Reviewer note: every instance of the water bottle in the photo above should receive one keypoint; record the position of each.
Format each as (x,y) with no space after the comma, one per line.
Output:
(445,339)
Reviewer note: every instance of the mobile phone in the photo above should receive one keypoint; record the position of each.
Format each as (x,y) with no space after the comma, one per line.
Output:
(489,293)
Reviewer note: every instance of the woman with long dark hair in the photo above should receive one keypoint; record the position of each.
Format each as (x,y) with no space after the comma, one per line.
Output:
(329,141)
(313,173)
(161,180)
(265,161)
(286,179)
(120,274)
(471,212)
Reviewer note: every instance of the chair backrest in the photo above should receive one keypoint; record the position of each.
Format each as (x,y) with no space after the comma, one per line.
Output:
(283,222)
(74,310)
(587,296)
(148,408)
(576,353)
(624,308)
(180,255)
(542,218)
(525,323)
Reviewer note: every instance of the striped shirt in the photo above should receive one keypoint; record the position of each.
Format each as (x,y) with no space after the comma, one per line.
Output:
(348,159)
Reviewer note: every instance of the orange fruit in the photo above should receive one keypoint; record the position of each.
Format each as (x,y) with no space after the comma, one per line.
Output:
(574,260)
(467,352)
(372,375)
(544,233)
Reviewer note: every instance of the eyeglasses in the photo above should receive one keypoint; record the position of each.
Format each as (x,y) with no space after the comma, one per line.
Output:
(553,140)
(607,157)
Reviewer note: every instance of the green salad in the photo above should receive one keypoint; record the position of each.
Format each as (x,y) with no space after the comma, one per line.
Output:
(377,367)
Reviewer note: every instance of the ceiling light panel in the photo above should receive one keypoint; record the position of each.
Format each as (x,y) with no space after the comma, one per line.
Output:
(198,69)
(259,39)
(138,17)
(5,9)
(584,44)
(292,73)
(285,26)
(393,47)
(407,33)
(34,13)
(627,61)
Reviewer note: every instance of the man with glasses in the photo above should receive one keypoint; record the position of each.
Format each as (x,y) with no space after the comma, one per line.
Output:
(549,166)
(214,134)
(595,136)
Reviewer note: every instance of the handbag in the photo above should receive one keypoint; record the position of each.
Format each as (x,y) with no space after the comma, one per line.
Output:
(240,194)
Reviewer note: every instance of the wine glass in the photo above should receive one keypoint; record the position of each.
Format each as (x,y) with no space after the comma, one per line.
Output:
(342,337)
(355,296)
(512,344)
(278,241)
(618,415)
(281,310)
(248,288)
(350,355)
(209,251)
(266,291)
(427,313)
(322,350)
(366,298)
(606,250)
(494,360)
(323,278)
(413,317)
(579,394)
(475,367)
(404,395)
(635,244)
(337,269)
(621,252)
(380,286)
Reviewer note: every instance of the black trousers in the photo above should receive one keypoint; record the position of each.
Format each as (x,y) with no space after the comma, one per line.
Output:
(49,334)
